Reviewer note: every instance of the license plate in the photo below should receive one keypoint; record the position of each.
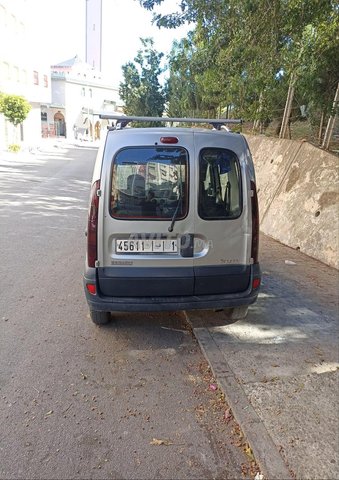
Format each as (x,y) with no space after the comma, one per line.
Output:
(146,246)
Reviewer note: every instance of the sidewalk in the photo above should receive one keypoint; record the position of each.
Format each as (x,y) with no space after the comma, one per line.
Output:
(278,368)
(46,145)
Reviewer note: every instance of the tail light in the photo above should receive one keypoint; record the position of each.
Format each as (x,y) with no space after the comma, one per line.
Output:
(169,140)
(91,287)
(92,229)
(255,223)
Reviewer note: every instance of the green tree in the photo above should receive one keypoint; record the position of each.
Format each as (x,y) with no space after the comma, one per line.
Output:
(319,77)
(187,13)
(140,89)
(246,56)
(182,90)
(14,108)
(130,89)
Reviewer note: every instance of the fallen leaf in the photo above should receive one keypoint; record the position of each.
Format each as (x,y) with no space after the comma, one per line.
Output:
(228,415)
(49,413)
(213,387)
(156,441)
(248,451)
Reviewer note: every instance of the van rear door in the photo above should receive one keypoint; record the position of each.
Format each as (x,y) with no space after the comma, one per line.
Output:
(222,221)
(144,244)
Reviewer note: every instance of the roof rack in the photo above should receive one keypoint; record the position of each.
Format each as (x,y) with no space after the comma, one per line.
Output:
(123,121)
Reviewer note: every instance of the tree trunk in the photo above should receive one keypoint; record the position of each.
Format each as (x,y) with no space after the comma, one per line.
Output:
(288,107)
(258,122)
(330,123)
(321,126)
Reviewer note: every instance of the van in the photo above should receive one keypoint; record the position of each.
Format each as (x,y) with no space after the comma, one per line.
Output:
(173,220)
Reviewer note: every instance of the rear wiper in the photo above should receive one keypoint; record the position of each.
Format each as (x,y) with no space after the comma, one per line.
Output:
(175,214)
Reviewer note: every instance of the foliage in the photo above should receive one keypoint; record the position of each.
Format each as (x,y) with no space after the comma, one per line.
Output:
(141,90)
(15,108)
(14,147)
(182,89)
(240,57)
(187,13)
(320,74)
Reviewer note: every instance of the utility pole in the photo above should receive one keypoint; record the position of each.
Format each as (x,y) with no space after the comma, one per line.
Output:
(331,121)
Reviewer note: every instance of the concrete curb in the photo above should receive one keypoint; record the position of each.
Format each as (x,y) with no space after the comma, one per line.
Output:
(264,449)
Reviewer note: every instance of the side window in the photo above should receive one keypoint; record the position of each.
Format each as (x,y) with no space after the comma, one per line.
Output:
(149,183)
(219,184)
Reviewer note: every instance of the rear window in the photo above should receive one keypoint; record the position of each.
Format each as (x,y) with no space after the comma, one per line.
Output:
(219,185)
(149,183)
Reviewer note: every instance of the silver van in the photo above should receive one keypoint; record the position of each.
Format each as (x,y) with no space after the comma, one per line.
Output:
(173,220)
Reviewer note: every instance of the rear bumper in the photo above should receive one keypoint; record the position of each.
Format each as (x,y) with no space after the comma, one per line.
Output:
(105,303)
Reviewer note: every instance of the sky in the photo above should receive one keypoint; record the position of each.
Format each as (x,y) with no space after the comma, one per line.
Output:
(62,22)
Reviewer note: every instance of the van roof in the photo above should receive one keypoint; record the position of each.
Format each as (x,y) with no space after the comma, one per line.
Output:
(123,120)
(170,130)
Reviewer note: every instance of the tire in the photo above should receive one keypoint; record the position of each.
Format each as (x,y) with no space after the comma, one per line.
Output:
(100,318)
(237,313)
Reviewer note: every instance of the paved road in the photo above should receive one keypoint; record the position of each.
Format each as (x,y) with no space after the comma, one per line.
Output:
(78,401)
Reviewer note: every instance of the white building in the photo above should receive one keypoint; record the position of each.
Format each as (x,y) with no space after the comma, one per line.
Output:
(78,93)
(21,72)
(63,97)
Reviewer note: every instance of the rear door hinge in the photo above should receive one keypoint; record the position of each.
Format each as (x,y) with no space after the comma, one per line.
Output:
(98,192)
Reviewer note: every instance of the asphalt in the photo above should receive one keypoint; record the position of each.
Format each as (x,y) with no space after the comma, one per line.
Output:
(278,368)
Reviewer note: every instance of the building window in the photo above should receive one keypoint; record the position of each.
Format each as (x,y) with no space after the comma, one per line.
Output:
(44,116)
(36,78)
(6,71)
(13,21)
(45,81)
(24,76)
(3,16)
(83,92)
(16,74)
(90,93)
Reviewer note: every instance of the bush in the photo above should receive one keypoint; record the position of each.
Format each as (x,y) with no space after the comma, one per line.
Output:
(14,147)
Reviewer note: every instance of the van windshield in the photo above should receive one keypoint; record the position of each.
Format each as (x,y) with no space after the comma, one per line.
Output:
(219,185)
(149,183)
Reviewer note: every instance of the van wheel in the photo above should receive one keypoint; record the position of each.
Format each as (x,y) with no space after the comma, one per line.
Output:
(100,318)
(237,313)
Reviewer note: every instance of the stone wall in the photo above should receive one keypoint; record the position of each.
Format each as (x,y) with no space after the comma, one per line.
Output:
(298,194)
